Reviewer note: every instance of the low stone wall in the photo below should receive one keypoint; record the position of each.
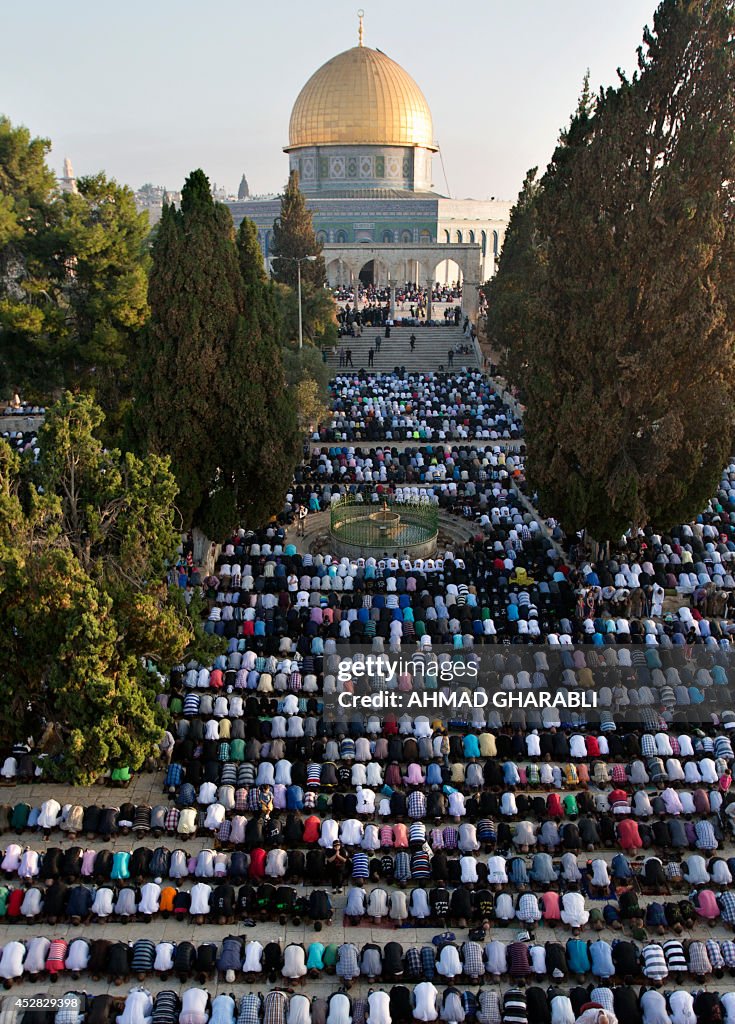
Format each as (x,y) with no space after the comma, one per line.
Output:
(345,549)
(22,423)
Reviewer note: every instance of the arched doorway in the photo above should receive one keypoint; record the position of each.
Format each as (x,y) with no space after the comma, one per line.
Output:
(367,274)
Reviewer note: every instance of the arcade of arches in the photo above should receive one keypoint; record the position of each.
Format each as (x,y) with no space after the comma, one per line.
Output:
(389,265)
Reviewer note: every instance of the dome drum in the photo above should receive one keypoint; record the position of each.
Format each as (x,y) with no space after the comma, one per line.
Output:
(336,169)
(361,122)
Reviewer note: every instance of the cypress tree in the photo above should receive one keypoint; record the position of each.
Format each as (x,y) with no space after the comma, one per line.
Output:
(212,394)
(267,462)
(627,354)
(293,237)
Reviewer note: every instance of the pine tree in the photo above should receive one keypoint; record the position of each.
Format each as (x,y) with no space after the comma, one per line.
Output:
(73,277)
(294,238)
(627,360)
(86,538)
(104,238)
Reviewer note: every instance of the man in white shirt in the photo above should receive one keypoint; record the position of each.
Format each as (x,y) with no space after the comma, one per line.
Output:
(139,1007)
(425,1001)
(104,901)
(330,833)
(253,960)
(378,1008)
(77,957)
(299,1010)
(193,1007)
(150,897)
(276,863)
(449,964)
(653,1007)
(11,962)
(35,961)
(32,903)
(294,961)
(573,912)
(200,896)
(351,832)
(164,961)
(339,1009)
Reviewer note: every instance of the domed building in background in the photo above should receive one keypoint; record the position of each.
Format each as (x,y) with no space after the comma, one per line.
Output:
(361,138)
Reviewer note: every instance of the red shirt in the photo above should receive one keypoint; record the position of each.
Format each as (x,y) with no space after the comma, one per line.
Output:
(593,747)
(553,806)
(312,829)
(15,900)
(257,863)
(629,836)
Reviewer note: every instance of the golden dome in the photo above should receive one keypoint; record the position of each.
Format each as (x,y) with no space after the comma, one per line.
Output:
(361,97)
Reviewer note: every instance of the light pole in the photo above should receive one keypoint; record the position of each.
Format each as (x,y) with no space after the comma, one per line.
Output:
(298,261)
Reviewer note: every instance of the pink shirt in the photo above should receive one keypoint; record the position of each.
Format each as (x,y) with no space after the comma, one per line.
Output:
(400,836)
(707,904)
(414,775)
(88,859)
(552,911)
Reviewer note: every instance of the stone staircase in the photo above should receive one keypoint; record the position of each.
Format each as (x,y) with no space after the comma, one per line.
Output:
(432,346)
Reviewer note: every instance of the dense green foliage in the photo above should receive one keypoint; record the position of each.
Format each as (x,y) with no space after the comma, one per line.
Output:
(613,304)
(86,535)
(72,277)
(212,393)
(294,238)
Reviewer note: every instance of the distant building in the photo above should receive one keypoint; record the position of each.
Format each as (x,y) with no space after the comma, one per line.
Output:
(361,138)
(67,181)
(150,199)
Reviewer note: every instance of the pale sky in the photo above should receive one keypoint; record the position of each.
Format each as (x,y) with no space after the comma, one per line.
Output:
(147,91)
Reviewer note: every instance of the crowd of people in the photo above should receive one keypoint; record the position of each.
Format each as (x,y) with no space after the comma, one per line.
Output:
(568,867)
(418,406)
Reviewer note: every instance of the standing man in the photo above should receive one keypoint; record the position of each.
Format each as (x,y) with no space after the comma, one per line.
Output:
(377,343)
(302,513)
(413,342)
(370,356)
(348,358)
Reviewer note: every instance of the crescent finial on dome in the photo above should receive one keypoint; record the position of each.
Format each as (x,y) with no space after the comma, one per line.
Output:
(360,15)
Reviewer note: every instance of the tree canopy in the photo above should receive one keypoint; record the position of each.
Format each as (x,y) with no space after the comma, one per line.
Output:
(86,535)
(73,270)
(211,391)
(613,304)
(294,238)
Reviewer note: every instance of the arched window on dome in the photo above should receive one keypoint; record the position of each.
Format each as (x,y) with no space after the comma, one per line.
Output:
(447,237)
(495,243)
(483,242)
(407,237)
(341,237)
(459,237)
(387,237)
